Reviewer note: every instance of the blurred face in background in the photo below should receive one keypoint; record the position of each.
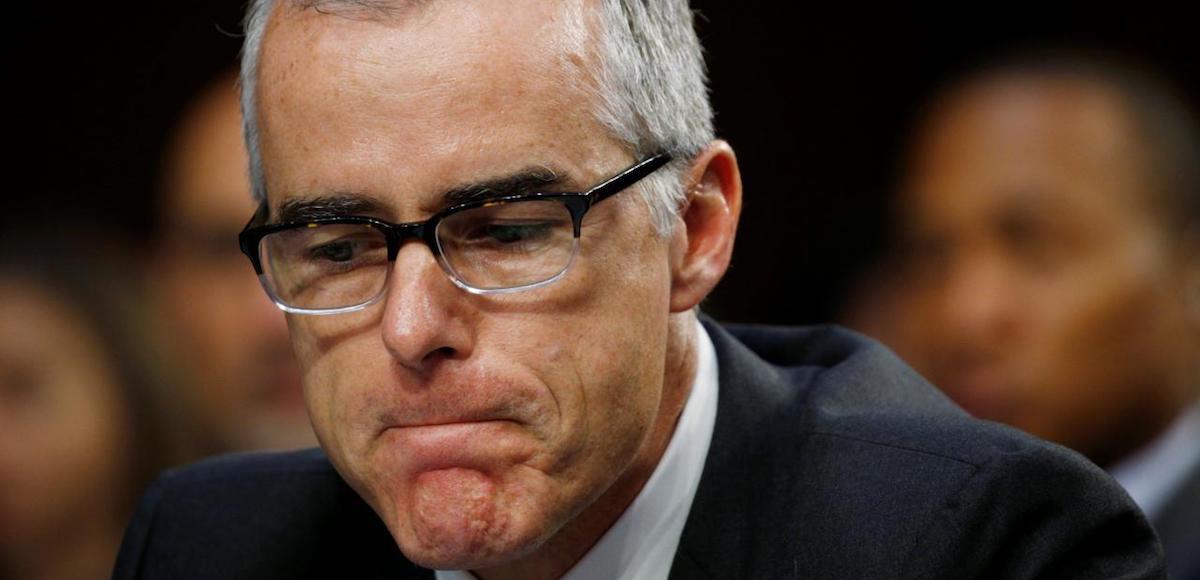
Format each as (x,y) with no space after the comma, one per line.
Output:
(1041,287)
(64,476)
(231,338)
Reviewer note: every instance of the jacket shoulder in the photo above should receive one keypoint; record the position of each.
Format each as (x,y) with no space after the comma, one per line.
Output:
(283,515)
(833,383)
(861,468)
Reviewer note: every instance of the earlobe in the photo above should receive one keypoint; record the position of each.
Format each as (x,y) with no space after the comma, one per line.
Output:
(703,242)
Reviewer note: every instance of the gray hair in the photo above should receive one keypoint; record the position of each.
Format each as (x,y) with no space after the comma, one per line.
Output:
(651,95)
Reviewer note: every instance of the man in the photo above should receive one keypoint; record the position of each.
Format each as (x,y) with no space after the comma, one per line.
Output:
(1052,281)
(230,339)
(509,378)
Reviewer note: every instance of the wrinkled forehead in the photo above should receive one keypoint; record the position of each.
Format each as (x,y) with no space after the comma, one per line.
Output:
(439,77)
(512,49)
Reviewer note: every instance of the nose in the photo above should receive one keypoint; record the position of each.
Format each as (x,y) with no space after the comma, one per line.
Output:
(979,305)
(425,314)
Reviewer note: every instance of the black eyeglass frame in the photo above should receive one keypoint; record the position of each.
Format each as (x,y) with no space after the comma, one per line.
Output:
(577,204)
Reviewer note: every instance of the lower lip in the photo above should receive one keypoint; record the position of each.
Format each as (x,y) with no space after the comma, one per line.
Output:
(476,444)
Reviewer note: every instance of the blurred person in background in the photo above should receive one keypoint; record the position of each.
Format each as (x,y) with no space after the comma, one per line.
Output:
(228,334)
(1050,271)
(87,415)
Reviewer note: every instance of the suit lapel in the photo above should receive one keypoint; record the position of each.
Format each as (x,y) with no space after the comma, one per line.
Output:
(719,525)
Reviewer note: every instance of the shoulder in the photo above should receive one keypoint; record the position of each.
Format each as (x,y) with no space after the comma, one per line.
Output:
(830,383)
(285,515)
(235,491)
(251,472)
(857,458)
(833,384)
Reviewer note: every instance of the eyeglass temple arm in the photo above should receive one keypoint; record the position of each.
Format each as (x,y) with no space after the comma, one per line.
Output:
(249,246)
(623,180)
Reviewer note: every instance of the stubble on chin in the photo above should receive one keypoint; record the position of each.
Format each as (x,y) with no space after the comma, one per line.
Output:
(459,519)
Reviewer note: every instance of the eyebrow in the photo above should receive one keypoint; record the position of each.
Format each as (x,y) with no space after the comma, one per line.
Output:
(537,179)
(525,181)
(327,206)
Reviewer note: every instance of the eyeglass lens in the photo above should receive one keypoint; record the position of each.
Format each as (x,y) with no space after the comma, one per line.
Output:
(492,247)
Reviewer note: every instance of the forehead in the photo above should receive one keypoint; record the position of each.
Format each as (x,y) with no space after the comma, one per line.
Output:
(445,92)
(1025,140)
(204,174)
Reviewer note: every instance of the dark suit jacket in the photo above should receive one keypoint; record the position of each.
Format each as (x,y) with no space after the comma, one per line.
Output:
(830,459)
(1179,527)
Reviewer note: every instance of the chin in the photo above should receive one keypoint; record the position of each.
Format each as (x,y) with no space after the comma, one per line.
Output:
(442,548)
(459,519)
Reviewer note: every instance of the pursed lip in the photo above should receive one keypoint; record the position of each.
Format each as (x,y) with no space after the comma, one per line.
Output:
(428,412)
(416,420)
(480,444)
(446,423)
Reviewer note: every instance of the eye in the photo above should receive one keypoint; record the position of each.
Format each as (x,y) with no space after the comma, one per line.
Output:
(334,250)
(926,255)
(21,383)
(511,233)
(1038,242)
(339,251)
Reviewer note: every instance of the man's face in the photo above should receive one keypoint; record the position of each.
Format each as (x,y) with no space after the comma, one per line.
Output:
(476,426)
(1044,293)
(234,341)
(64,424)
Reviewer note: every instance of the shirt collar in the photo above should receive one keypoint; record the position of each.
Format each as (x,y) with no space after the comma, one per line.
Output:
(1152,474)
(641,544)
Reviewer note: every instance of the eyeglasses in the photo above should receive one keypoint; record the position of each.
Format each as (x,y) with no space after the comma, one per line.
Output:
(491,246)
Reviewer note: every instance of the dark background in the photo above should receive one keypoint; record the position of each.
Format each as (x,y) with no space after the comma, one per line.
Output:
(814,98)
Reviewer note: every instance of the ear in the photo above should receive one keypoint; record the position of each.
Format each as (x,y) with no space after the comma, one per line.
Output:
(702,242)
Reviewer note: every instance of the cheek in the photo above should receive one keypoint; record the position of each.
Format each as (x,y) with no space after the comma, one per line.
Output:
(337,359)
(1094,320)
(623,378)
(1099,344)
(597,344)
(64,459)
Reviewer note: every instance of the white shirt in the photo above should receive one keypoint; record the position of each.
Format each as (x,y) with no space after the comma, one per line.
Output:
(1154,473)
(641,544)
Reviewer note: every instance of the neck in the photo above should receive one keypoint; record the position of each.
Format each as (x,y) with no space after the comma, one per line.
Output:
(569,545)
